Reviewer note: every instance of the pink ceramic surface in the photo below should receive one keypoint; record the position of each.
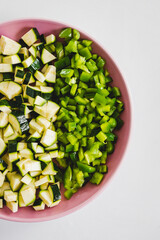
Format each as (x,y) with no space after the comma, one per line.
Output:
(15,29)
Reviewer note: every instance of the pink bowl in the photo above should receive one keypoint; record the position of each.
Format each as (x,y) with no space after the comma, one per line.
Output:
(15,29)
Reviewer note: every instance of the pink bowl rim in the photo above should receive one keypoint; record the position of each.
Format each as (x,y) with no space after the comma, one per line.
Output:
(100,189)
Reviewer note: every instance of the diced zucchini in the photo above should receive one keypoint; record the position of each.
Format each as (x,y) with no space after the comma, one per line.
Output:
(28,61)
(39,205)
(13,59)
(13,156)
(50,39)
(15,182)
(49,137)
(39,149)
(46,198)
(27,78)
(3,119)
(21,146)
(49,169)
(33,91)
(12,146)
(9,175)
(54,154)
(13,206)
(4,106)
(34,125)
(10,89)
(43,122)
(33,146)
(30,37)
(26,153)
(2,178)
(39,76)
(39,101)
(25,109)
(27,179)
(2,147)
(42,180)
(15,136)
(46,92)
(52,147)
(21,166)
(3,165)
(23,53)
(9,46)
(44,186)
(32,165)
(48,110)
(34,137)
(1,203)
(46,56)
(20,201)
(31,100)
(55,194)
(52,179)
(10,196)
(35,173)
(8,131)
(8,76)
(44,157)
(33,51)
(36,65)
(43,70)
(42,110)
(19,74)
(38,46)
(50,74)
(52,109)
(38,84)
(28,194)
(18,122)
(4,187)
(6,68)
(5,109)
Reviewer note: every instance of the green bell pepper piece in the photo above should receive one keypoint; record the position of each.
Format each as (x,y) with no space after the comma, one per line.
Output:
(98,98)
(85,168)
(66,33)
(59,50)
(110,147)
(86,43)
(62,63)
(85,76)
(64,73)
(101,136)
(91,65)
(80,178)
(68,178)
(76,34)
(72,46)
(73,89)
(100,62)
(102,168)
(97,178)
(71,138)
(85,53)
(68,194)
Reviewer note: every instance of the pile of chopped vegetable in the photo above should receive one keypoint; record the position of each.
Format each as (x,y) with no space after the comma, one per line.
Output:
(58,112)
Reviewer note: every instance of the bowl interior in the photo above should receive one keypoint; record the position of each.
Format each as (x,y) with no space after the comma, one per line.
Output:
(14,30)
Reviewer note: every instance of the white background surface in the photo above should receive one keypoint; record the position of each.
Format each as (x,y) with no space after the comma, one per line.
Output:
(129,208)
